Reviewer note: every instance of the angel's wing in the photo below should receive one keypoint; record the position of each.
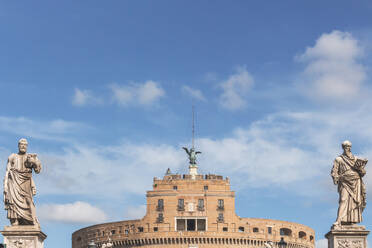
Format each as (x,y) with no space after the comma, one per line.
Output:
(187,150)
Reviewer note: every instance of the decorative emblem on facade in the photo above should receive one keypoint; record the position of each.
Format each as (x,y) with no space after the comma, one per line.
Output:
(357,244)
(21,243)
(347,243)
(343,243)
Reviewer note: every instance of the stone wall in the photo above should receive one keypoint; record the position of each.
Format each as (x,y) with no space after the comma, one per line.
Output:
(167,224)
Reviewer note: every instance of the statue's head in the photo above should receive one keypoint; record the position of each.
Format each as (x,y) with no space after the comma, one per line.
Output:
(22,146)
(346,145)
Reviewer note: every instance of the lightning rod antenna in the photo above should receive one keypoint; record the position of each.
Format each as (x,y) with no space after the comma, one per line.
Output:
(193,126)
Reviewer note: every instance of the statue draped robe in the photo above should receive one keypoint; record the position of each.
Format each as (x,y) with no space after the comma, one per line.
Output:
(351,189)
(19,189)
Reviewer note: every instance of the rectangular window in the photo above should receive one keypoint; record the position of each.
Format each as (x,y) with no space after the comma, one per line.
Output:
(206,187)
(269,230)
(160,206)
(175,187)
(112,231)
(201,225)
(140,229)
(160,218)
(220,217)
(181,224)
(156,229)
(191,224)
(221,204)
(201,204)
(181,205)
(225,229)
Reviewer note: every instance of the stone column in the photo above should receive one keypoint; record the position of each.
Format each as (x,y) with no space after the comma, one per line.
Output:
(347,236)
(23,236)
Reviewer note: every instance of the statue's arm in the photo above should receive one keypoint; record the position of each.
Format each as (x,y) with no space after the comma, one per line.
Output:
(6,178)
(334,173)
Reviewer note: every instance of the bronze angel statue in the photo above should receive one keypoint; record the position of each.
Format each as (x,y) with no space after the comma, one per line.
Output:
(192,154)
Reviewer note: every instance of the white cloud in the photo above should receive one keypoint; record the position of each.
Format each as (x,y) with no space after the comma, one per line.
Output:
(332,69)
(194,93)
(122,94)
(210,77)
(261,161)
(321,243)
(109,170)
(284,149)
(149,92)
(85,97)
(136,93)
(136,212)
(77,212)
(235,89)
(49,130)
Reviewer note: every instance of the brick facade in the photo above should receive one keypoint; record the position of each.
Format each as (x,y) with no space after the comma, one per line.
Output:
(200,212)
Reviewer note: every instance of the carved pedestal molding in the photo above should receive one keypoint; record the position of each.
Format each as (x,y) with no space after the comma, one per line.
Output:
(23,237)
(352,236)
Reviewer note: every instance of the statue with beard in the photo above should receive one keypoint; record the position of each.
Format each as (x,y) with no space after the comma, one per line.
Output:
(19,187)
(347,172)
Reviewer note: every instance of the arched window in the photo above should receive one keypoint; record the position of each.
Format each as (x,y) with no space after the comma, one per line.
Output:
(160,206)
(241,229)
(255,229)
(302,235)
(285,232)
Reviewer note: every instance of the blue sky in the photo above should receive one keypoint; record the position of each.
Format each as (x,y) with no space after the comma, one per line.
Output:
(103,91)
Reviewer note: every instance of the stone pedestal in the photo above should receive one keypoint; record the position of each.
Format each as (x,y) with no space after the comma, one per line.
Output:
(347,236)
(23,236)
(193,170)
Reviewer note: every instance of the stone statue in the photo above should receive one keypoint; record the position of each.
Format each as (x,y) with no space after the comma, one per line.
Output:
(192,155)
(19,187)
(347,173)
